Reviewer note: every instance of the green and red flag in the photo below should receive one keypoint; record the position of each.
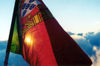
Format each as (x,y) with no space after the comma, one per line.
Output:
(41,40)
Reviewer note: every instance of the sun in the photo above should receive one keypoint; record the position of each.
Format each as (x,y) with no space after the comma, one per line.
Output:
(28,39)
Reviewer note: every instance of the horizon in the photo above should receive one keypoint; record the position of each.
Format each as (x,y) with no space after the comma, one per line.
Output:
(70,33)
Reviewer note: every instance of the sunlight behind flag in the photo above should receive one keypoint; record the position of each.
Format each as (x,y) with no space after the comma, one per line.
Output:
(29,40)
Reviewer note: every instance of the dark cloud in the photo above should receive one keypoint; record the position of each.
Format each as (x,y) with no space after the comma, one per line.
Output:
(80,34)
(70,33)
(3,45)
(3,42)
(90,43)
(93,38)
(14,59)
(90,39)
(86,46)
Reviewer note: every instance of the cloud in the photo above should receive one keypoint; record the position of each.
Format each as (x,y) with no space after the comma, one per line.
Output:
(90,43)
(93,38)
(14,59)
(84,44)
(96,59)
(2,57)
(3,45)
(70,33)
(98,56)
(80,34)
(75,36)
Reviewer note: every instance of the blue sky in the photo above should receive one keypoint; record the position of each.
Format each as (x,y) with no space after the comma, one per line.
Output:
(78,16)
(6,10)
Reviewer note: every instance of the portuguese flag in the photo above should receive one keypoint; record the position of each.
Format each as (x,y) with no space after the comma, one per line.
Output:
(15,46)
(38,37)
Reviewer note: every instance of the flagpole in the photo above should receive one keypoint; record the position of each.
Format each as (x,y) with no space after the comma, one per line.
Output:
(11,32)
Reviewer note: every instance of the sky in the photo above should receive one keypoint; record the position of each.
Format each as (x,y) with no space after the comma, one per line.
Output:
(6,11)
(77,16)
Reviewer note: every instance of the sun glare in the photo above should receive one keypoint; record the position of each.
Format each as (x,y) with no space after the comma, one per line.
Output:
(29,39)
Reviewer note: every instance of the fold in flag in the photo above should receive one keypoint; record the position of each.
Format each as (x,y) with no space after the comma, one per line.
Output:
(43,41)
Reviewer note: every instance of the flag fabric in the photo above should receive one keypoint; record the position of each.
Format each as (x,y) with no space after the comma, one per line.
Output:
(44,42)
(15,46)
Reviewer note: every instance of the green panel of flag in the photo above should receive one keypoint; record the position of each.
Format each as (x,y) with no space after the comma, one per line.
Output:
(15,46)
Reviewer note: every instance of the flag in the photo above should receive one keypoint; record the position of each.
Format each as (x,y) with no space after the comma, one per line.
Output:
(15,46)
(43,41)
(14,35)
